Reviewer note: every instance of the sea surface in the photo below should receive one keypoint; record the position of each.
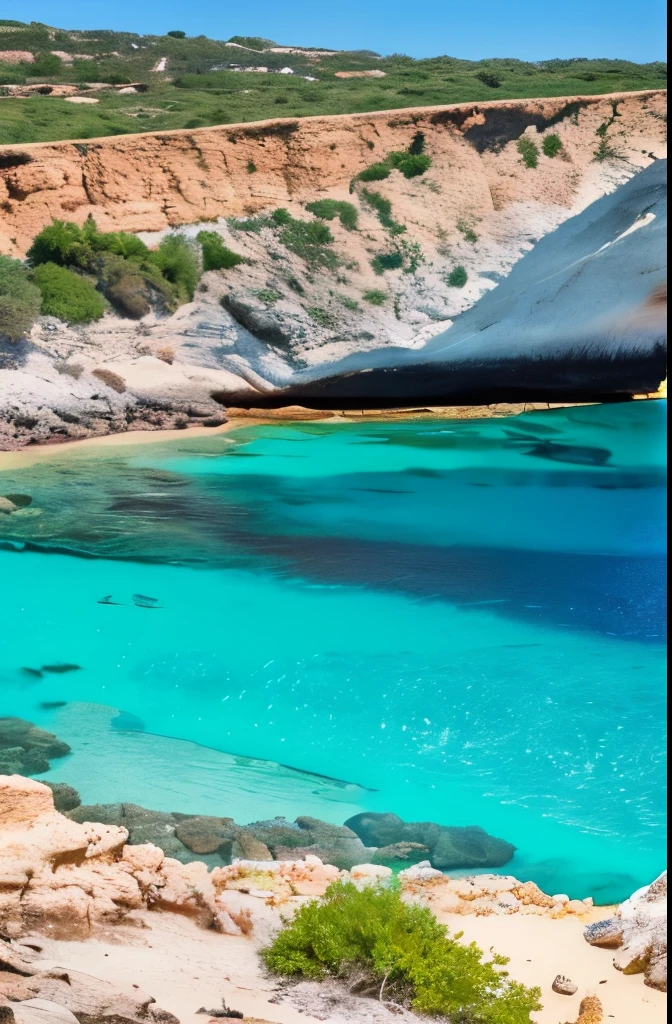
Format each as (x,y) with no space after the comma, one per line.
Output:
(460,621)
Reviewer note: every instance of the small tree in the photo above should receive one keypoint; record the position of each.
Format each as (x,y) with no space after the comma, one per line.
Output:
(177,34)
(457,278)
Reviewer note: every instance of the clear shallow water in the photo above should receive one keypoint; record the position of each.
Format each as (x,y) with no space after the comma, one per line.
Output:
(461,620)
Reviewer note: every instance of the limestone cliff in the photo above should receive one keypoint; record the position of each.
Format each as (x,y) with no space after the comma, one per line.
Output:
(254,332)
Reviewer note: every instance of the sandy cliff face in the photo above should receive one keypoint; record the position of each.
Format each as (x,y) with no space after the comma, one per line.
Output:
(478,207)
(148,182)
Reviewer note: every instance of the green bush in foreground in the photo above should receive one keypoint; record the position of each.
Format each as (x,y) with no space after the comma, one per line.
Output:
(383,209)
(67,295)
(177,260)
(408,955)
(216,256)
(529,151)
(20,299)
(457,278)
(328,209)
(375,297)
(551,145)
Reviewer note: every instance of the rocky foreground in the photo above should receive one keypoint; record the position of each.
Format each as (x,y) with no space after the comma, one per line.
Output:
(80,880)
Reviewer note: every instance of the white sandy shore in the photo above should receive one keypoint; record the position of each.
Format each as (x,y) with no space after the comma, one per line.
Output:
(185,967)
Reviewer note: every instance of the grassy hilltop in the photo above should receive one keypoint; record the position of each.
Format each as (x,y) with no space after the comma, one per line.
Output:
(197,86)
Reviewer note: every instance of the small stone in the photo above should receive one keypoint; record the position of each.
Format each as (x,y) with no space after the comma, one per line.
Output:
(564,987)
(560,898)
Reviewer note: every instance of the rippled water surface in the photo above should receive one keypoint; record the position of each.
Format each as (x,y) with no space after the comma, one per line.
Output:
(458,621)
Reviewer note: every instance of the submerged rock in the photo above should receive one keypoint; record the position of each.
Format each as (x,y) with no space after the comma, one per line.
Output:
(66,797)
(638,931)
(25,749)
(450,846)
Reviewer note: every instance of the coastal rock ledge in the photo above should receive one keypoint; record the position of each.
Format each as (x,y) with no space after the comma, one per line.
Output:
(638,931)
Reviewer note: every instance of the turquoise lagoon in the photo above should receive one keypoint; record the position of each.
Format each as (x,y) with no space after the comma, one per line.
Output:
(460,621)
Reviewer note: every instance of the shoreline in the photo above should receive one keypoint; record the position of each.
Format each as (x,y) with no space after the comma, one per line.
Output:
(240,418)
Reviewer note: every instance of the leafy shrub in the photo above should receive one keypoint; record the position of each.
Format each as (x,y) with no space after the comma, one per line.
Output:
(327,209)
(528,150)
(403,951)
(281,99)
(59,242)
(311,240)
(410,164)
(604,149)
(177,34)
(383,208)
(177,260)
(349,303)
(387,261)
(321,316)
(281,217)
(488,79)
(253,224)
(376,172)
(67,295)
(268,295)
(551,145)
(375,297)
(457,278)
(251,167)
(216,256)
(20,299)
(417,145)
(46,65)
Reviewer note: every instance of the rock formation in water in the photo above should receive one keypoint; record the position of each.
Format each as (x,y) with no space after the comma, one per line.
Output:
(638,932)
(25,749)
(283,323)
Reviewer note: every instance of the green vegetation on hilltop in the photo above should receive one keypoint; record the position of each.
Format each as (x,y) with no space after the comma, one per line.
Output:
(400,953)
(200,88)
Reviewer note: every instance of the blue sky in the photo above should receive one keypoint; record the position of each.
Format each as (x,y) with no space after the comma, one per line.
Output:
(528,29)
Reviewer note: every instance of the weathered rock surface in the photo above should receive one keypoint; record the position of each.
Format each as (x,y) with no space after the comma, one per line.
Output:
(638,931)
(39,993)
(449,846)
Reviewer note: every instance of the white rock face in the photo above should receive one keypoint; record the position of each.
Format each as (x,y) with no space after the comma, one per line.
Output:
(638,931)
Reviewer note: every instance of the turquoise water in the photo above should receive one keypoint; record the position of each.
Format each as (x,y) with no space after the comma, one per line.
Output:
(458,621)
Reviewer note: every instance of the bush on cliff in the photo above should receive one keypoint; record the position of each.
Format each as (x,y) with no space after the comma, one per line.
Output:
(20,299)
(168,274)
(399,953)
(67,295)
(529,151)
(216,256)
(328,209)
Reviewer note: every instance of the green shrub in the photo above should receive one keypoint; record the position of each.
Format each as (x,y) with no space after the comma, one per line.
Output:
(252,42)
(403,951)
(268,295)
(375,297)
(604,149)
(410,164)
(251,167)
(216,256)
(46,65)
(311,240)
(349,303)
(488,79)
(321,316)
(327,209)
(383,208)
(67,295)
(177,260)
(551,145)
(528,150)
(376,172)
(387,261)
(20,299)
(467,231)
(281,217)
(59,242)
(417,145)
(457,278)
(253,224)
(177,34)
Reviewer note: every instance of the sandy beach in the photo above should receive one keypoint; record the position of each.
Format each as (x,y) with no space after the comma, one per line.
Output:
(211,967)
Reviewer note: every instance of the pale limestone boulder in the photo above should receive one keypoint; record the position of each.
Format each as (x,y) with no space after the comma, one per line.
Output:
(638,931)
